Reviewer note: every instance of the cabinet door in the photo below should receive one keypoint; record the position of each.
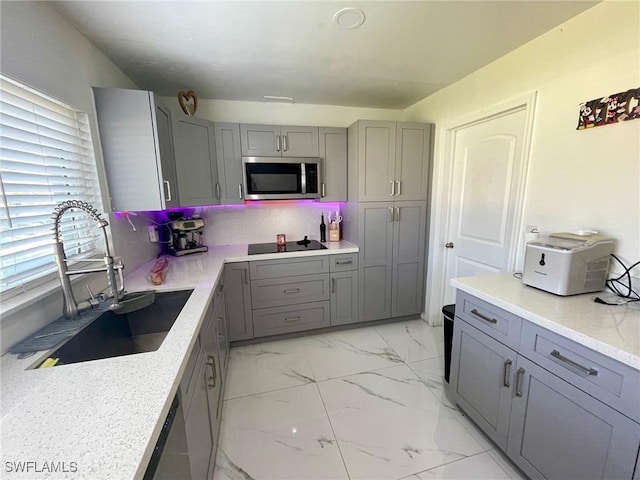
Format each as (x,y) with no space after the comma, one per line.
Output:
(409,239)
(299,141)
(376,160)
(220,317)
(167,155)
(200,440)
(413,142)
(559,432)
(482,371)
(333,152)
(229,160)
(196,161)
(376,256)
(260,140)
(238,299)
(137,145)
(344,298)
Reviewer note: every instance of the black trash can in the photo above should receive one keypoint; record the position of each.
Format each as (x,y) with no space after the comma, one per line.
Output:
(449,312)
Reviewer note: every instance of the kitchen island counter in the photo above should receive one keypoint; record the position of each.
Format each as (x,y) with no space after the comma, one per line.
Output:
(101,419)
(611,330)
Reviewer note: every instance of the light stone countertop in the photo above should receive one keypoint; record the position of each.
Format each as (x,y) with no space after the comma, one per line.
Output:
(106,415)
(611,330)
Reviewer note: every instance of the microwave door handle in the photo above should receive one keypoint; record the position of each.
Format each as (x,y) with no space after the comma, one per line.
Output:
(303,178)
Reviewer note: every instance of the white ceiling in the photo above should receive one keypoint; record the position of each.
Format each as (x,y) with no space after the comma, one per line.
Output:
(240,50)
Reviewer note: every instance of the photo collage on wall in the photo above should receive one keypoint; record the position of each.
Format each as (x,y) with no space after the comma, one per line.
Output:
(610,109)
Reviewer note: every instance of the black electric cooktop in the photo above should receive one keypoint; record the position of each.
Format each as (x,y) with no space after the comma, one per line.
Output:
(260,248)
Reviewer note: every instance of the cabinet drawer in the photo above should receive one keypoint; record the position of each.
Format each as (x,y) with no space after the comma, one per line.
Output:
(343,263)
(294,318)
(275,292)
(613,383)
(288,268)
(500,324)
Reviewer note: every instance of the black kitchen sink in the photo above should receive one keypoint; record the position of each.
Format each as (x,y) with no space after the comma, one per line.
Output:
(116,335)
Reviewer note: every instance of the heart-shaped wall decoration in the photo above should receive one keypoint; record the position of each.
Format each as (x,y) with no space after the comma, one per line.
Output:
(188,102)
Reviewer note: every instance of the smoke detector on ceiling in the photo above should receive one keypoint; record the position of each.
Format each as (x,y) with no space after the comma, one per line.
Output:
(349,17)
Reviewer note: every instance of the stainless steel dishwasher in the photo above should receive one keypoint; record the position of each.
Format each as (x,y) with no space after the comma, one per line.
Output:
(170,458)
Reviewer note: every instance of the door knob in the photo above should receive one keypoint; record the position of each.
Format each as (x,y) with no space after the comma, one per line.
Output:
(449,245)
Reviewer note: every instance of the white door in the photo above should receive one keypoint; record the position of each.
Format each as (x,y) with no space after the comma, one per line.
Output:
(488,165)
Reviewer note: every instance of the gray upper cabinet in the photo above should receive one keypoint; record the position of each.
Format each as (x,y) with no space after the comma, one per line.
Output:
(390,161)
(333,152)
(229,158)
(411,175)
(277,141)
(195,153)
(137,145)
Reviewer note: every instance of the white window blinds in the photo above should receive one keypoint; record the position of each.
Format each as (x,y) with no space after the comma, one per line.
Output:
(46,157)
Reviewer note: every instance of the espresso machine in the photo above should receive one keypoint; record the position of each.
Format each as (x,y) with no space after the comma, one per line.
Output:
(186,236)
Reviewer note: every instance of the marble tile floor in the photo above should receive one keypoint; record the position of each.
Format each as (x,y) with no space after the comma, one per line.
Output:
(366,403)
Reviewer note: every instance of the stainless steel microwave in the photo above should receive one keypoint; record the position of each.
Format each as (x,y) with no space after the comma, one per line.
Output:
(273,178)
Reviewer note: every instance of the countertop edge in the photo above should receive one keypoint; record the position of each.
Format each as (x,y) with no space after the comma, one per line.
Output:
(595,344)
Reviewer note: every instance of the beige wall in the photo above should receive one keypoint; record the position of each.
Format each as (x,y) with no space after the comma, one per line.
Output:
(587,178)
(283,113)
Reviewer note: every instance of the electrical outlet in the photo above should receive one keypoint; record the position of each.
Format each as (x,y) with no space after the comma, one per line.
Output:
(153,233)
(532,229)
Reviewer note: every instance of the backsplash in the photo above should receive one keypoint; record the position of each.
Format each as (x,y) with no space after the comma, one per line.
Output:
(260,222)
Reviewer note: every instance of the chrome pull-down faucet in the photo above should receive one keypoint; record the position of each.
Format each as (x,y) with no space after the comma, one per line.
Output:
(71,308)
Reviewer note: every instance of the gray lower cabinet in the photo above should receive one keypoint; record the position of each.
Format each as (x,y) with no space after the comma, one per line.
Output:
(344,297)
(554,417)
(290,318)
(481,376)
(392,240)
(333,152)
(238,299)
(229,158)
(198,431)
(559,432)
(196,166)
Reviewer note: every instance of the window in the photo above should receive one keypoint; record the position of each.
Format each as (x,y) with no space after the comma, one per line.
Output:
(46,157)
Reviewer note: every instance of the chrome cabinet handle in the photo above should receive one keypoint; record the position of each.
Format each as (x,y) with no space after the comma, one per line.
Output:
(568,361)
(393,188)
(344,262)
(292,290)
(507,373)
(218,191)
(168,185)
(322,190)
(277,143)
(390,214)
(397,187)
(333,285)
(240,190)
(519,375)
(211,363)
(483,317)
(285,143)
(397,214)
(292,319)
